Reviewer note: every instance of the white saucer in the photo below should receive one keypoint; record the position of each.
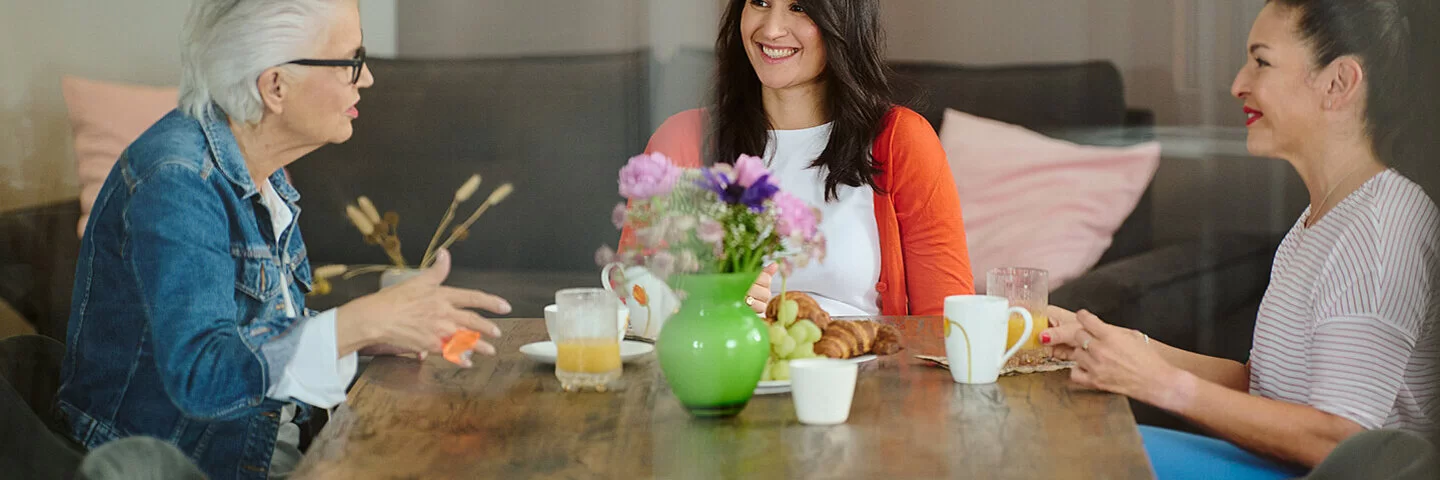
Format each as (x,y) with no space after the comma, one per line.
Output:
(544,352)
(772,387)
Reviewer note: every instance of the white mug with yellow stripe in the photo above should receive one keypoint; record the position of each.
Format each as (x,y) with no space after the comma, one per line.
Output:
(975,331)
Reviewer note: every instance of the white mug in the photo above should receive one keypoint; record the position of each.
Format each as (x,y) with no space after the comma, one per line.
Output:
(622,319)
(660,303)
(975,331)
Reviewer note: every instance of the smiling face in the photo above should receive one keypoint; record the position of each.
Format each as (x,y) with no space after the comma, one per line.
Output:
(784,46)
(1283,100)
(322,102)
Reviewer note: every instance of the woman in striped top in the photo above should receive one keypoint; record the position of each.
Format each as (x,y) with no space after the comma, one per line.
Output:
(1346,337)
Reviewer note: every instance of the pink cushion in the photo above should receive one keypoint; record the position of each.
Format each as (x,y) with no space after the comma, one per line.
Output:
(1033,201)
(105,118)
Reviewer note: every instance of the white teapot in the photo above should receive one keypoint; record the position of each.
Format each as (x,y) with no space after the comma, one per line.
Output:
(649,299)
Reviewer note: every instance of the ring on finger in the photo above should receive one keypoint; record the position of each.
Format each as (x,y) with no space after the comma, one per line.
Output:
(1085,345)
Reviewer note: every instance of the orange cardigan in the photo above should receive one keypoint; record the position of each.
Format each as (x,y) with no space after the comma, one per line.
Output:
(923,257)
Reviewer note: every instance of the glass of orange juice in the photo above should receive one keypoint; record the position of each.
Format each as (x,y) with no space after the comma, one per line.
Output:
(1028,288)
(586,339)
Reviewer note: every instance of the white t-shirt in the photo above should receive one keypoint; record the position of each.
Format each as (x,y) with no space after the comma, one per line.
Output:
(844,284)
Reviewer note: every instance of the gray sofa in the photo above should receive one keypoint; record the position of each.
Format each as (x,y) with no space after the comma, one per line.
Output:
(560,128)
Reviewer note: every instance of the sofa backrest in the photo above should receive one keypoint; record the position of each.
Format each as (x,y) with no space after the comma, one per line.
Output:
(1043,98)
(559,128)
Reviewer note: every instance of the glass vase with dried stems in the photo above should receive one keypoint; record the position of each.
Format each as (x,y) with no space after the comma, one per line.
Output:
(382,230)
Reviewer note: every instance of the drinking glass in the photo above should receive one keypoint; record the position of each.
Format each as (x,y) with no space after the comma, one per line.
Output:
(1027,288)
(586,339)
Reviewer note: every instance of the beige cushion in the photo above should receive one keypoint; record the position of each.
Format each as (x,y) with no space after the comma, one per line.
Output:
(106,118)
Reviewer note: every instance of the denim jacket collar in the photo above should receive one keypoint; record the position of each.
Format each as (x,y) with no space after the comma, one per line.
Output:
(227,157)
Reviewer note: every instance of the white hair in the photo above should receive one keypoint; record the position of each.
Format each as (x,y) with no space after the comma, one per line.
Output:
(227,44)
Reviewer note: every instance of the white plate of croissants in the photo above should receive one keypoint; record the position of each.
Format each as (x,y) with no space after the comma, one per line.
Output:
(858,341)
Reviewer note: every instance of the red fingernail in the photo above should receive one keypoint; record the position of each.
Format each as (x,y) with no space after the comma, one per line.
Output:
(1045,338)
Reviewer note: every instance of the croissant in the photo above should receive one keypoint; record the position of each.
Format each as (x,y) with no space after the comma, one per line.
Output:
(809,309)
(845,339)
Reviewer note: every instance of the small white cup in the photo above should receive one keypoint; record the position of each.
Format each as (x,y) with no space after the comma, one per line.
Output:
(975,333)
(822,389)
(552,312)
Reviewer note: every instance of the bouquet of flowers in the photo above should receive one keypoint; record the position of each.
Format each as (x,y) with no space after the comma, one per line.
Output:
(720,219)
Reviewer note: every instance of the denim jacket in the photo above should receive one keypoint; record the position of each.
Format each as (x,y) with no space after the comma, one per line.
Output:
(177,325)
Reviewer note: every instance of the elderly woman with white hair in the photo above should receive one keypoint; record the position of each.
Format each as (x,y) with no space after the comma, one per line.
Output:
(188,322)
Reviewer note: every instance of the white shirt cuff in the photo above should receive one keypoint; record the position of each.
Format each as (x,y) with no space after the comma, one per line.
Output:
(315,375)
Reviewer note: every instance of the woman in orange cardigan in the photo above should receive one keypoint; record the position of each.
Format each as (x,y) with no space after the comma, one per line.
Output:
(804,86)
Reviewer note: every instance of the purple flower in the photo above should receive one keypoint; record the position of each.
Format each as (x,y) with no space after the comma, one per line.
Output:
(617,216)
(749,170)
(648,176)
(794,217)
(733,193)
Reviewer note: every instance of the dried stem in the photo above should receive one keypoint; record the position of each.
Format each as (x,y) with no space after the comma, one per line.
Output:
(496,197)
(444,222)
(355,272)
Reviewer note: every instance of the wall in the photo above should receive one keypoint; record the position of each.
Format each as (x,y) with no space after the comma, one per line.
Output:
(135,42)
(131,41)
(435,28)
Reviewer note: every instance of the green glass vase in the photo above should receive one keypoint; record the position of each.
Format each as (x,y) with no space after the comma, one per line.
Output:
(714,349)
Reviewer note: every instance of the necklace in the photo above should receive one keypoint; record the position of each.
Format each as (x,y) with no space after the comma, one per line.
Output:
(1315,212)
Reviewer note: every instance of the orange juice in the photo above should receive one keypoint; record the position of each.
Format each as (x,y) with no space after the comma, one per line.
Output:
(1017,328)
(590,355)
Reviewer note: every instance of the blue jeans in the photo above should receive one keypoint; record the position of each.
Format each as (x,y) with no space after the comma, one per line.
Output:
(1178,455)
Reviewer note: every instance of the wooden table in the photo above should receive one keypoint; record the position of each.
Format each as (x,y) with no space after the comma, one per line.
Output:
(507,418)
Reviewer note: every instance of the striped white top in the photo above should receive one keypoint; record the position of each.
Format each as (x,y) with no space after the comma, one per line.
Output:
(1349,322)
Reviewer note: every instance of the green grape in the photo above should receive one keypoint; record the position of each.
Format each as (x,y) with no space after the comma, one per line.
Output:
(798,332)
(781,371)
(777,334)
(767,374)
(812,331)
(788,310)
(786,346)
(804,350)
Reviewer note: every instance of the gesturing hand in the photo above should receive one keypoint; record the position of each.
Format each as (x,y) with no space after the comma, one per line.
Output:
(420,313)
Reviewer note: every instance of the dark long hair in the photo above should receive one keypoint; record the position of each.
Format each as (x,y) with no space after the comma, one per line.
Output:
(857,91)
(1388,38)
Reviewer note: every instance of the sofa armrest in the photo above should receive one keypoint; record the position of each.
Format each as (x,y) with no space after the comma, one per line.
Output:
(38,252)
(1182,294)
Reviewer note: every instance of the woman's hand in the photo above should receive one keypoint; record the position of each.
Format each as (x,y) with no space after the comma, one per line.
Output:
(759,295)
(418,314)
(1110,358)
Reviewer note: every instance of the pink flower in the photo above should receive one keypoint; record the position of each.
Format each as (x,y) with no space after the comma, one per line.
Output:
(604,256)
(617,216)
(710,231)
(749,170)
(794,217)
(662,264)
(648,176)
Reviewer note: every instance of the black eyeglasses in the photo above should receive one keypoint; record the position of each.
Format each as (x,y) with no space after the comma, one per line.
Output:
(356,64)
